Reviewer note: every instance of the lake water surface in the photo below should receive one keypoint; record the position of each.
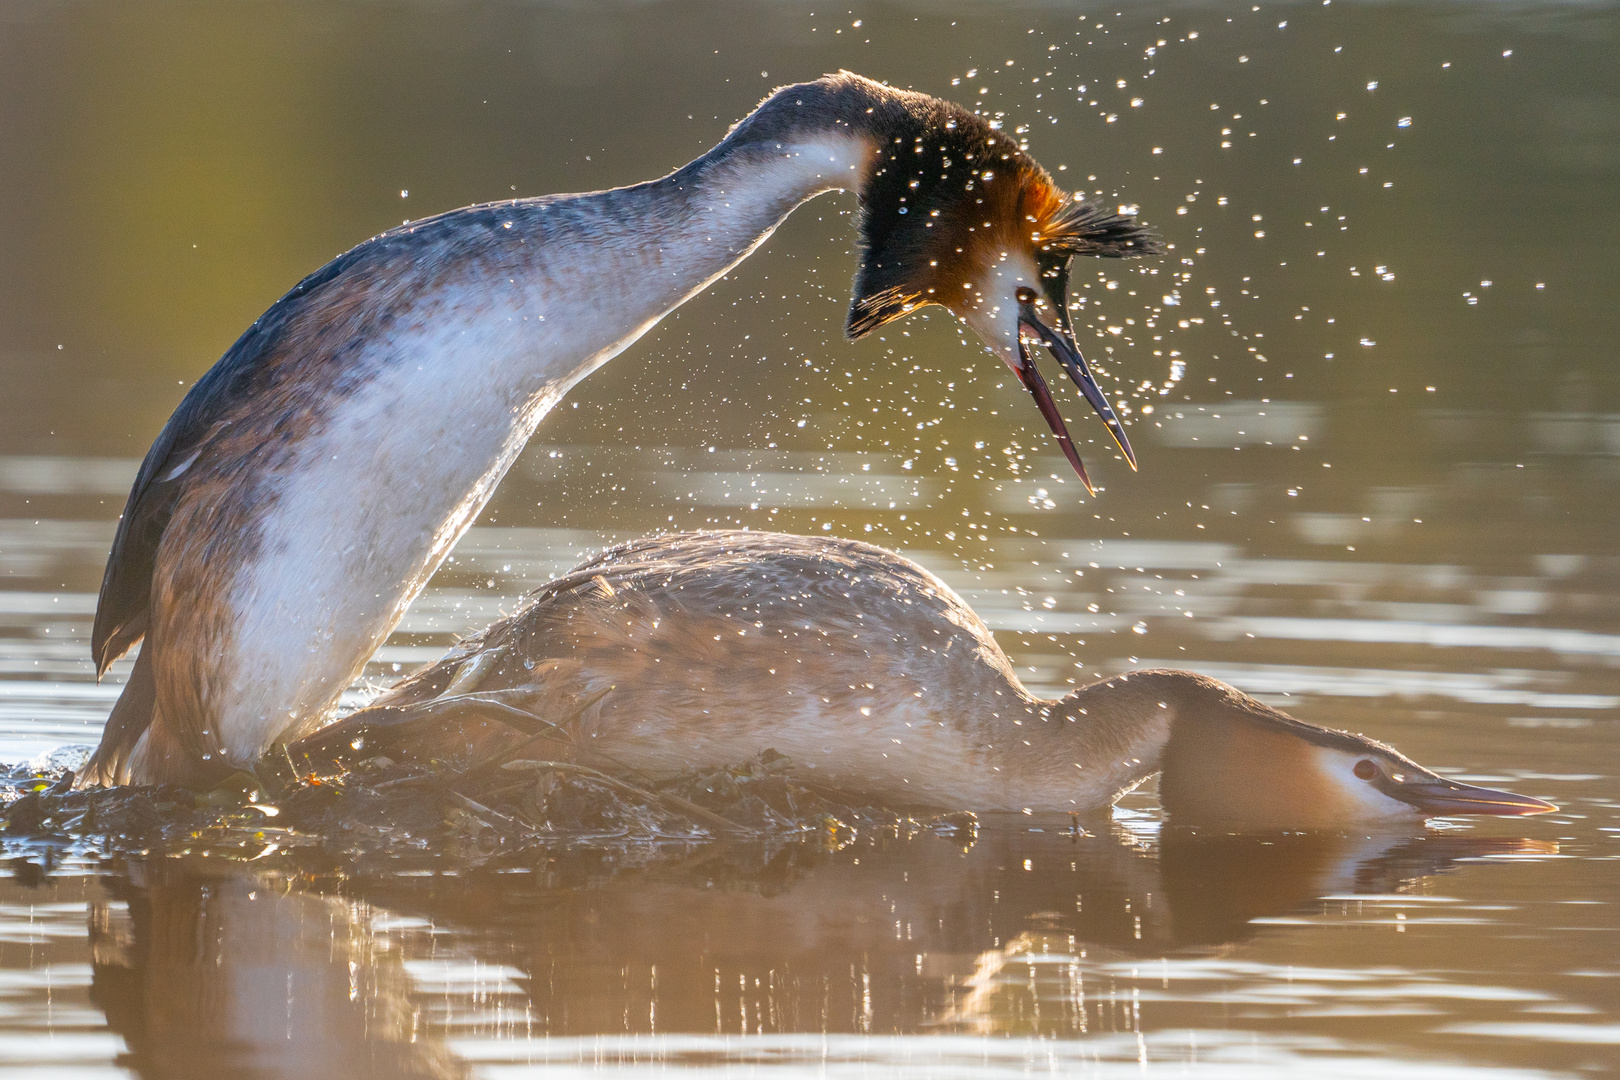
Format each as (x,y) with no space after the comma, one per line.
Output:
(1375,395)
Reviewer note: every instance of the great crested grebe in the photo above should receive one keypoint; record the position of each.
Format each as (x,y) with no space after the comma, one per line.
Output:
(700,650)
(310,483)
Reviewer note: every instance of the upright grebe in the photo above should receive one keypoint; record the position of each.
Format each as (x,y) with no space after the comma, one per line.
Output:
(699,650)
(311,482)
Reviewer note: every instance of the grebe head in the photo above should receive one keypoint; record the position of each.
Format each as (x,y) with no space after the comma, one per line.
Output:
(1269,771)
(955,213)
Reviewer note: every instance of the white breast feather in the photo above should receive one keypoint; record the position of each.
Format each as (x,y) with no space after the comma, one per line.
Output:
(371,504)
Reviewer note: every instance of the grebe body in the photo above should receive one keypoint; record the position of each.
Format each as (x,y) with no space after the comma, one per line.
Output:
(701,650)
(311,482)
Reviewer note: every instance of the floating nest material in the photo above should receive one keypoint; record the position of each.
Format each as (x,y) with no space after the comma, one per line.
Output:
(379,807)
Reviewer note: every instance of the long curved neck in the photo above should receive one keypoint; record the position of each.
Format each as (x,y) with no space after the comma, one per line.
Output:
(1106,738)
(1101,740)
(623,259)
(570,281)
(1204,735)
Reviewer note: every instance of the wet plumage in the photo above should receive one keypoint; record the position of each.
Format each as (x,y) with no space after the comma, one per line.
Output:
(311,482)
(700,650)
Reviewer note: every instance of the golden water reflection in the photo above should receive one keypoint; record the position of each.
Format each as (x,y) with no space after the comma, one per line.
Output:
(1312,522)
(1116,946)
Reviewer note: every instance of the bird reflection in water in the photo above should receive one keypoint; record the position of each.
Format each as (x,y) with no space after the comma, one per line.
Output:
(278,974)
(209,974)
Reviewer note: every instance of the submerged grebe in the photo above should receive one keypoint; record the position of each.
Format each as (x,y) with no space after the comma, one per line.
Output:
(700,650)
(311,482)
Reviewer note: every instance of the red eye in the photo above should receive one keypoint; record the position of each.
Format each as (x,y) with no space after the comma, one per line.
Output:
(1025,294)
(1365,769)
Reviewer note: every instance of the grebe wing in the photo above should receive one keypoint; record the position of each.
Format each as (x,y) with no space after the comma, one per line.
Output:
(123,609)
(690,632)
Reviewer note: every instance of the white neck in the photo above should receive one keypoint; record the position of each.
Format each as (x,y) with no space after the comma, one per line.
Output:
(509,306)
(635,254)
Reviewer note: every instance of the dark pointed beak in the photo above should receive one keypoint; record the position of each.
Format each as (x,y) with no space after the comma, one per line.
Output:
(1062,346)
(1444,798)
(1031,376)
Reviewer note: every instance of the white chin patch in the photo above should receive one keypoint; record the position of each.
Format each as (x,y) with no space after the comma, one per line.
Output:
(1363,801)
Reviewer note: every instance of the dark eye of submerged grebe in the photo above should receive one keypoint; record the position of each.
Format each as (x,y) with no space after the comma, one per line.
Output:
(1365,769)
(1025,294)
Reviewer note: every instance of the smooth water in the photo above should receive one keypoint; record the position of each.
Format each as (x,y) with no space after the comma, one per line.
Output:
(1377,489)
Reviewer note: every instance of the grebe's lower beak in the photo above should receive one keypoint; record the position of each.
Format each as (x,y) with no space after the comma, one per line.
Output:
(1068,354)
(1443,798)
(1031,376)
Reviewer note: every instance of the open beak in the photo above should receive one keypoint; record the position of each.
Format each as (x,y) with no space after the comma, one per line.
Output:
(1031,376)
(1443,798)
(1068,354)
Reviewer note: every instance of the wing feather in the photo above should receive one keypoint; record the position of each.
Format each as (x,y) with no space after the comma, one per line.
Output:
(123,611)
